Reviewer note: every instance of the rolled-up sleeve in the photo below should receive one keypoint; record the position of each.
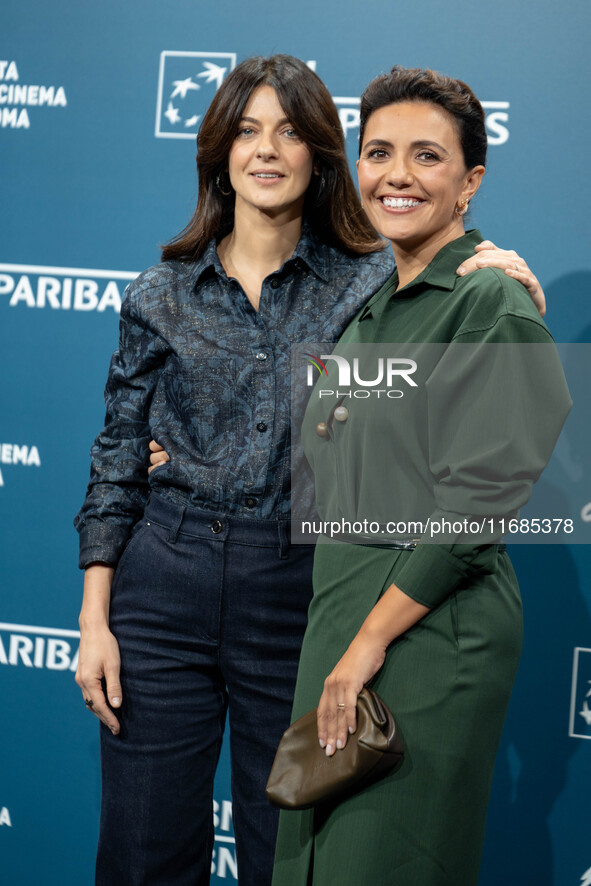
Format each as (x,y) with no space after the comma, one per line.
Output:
(497,402)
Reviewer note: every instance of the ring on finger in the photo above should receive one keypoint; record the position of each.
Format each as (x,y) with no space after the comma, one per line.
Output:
(89,703)
(517,267)
(340,704)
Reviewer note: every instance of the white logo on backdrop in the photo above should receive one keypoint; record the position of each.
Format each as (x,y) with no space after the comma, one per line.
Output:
(5,817)
(16,454)
(585,711)
(586,878)
(223,863)
(580,705)
(188,81)
(29,646)
(66,289)
(16,97)
(496,118)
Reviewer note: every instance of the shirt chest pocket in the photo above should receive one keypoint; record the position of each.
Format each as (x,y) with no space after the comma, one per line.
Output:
(202,398)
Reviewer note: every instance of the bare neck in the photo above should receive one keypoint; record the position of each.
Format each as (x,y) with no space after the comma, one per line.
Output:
(257,246)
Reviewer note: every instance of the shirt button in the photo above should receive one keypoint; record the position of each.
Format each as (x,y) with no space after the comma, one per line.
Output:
(216,527)
(275,283)
(321,429)
(341,413)
(261,426)
(261,355)
(251,502)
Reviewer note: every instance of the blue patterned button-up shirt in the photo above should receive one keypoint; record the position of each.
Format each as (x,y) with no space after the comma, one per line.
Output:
(208,377)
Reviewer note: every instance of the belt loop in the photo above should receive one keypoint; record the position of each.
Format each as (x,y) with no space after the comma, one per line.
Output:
(282,527)
(176,525)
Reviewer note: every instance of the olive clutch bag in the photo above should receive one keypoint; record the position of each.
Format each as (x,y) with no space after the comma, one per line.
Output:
(303,776)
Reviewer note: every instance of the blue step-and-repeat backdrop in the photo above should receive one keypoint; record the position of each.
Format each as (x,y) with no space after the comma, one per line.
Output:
(99,106)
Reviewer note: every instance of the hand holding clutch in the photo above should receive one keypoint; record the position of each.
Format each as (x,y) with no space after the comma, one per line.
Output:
(303,776)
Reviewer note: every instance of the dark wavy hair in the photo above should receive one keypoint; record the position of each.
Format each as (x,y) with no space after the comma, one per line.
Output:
(331,204)
(424,85)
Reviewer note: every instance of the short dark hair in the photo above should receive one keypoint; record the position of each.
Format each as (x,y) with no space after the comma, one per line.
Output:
(424,85)
(331,204)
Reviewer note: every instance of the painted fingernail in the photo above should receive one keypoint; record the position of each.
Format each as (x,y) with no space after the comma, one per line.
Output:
(351,730)
(461,270)
(340,744)
(116,701)
(321,742)
(328,750)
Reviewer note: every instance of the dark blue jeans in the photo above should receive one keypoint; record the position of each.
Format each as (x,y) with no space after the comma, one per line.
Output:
(209,612)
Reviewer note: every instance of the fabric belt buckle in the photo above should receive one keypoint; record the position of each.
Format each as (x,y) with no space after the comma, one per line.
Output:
(394,544)
(409,545)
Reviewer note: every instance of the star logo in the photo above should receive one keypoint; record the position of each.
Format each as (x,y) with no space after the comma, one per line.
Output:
(187,83)
(172,114)
(213,73)
(181,87)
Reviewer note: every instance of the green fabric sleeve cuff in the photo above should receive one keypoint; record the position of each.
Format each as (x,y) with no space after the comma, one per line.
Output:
(432,572)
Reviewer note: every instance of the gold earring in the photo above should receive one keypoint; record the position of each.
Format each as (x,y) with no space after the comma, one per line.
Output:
(462,208)
(218,182)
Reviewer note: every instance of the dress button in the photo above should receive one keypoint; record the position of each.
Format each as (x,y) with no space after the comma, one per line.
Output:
(251,502)
(216,527)
(275,283)
(261,355)
(321,429)
(341,413)
(261,426)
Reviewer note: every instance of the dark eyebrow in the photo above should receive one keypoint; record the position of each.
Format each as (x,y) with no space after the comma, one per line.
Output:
(254,120)
(420,143)
(377,143)
(426,143)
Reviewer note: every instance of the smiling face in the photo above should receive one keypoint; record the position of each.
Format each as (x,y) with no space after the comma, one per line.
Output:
(270,167)
(412,176)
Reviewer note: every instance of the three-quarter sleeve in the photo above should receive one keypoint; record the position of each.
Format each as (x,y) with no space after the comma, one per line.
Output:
(118,487)
(496,402)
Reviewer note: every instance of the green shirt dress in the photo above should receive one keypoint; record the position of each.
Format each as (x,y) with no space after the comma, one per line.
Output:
(468,439)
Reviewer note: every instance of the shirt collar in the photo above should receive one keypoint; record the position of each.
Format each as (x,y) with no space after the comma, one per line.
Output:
(208,264)
(313,252)
(439,273)
(310,250)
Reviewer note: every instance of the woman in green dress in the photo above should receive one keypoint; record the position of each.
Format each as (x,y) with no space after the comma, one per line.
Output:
(437,627)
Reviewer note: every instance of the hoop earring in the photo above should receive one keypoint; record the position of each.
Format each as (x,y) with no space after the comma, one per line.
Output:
(321,184)
(218,184)
(462,208)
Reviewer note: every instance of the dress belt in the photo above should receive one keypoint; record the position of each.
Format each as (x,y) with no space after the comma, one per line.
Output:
(396,544)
